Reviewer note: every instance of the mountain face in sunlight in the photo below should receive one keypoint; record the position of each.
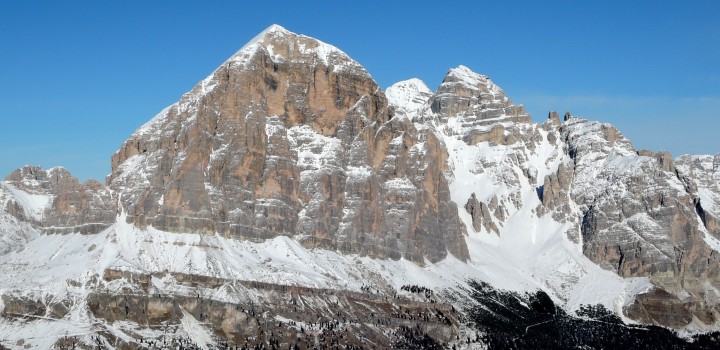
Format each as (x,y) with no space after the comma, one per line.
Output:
(288,201)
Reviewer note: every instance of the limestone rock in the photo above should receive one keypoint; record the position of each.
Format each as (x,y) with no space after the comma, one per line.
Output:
(658,304)
(15,228)
(464,92)
(637,217)
(701,175)
(292,137)
(555,192)
(664,159)
(553,118)
(480,215)
(57,202)
(476,108)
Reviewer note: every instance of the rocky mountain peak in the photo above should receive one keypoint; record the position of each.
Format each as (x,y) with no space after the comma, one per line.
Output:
(474,109)
(465,76)
(409,97)
(286,169)
(281,45)
(273,29)
(35,179)
(291,137)
(30,178)
(467,94)
(56,202)
(273,52)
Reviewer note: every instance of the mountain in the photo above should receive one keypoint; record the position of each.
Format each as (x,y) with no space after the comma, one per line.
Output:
(287,200)
(291,137)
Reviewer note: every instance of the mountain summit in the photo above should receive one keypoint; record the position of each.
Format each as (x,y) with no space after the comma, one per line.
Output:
(288,201)
(291,137)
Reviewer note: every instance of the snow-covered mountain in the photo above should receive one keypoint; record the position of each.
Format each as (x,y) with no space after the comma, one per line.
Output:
(288,200)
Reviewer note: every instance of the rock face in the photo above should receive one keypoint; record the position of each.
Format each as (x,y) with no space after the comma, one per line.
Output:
(636,217)
(292,137)
(701,175)
(481,109)
(15,230)
(290,145)
(464,92)
(56,202)
(635,213)
(480,215)
(240,322)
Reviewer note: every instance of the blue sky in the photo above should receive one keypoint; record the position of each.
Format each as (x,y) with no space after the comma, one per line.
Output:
(79,77)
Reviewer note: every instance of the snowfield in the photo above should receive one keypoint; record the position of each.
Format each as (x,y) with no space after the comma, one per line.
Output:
(528,248)
(531,253)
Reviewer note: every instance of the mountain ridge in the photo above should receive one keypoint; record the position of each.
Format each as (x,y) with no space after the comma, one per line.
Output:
(289,166)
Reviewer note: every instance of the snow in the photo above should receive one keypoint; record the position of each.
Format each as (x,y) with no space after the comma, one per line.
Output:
(72,263)
(248,50)
(327,54)
(273,126)
(196,332)
(468,172)
(711,241)
(409,96)
(471,79)
(530,252)
(34,204)
(125,247)
(14,233)
(704,172)
(274,29)
(331,56)
(400,184)
(314,151)
(358,173)
(155,122)
(709,200)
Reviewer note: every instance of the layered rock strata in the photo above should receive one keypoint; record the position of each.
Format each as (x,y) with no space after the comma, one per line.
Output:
(292,137)
(636,217)
(56,202)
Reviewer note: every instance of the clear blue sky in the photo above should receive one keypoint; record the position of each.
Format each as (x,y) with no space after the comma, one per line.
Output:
(77,78)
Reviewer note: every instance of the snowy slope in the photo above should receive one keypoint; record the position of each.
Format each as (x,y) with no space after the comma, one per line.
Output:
(530,251)
(14,232)
(494,155)
(409,97)
(72,267)
(703,171)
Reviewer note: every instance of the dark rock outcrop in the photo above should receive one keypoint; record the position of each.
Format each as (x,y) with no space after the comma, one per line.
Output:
(480,215)
(287,313)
